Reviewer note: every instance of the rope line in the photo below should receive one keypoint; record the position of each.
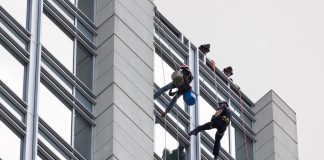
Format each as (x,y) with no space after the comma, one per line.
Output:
(175,66)
(244,129)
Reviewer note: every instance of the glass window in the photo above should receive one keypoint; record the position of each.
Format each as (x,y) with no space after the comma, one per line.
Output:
(83,100)
(52,146)
(82,136)
(85,31)
(14,81)
(55,113)
(16,10)
(170,46)
(211,86)
(160,76)
(62,10)
(166,145)
(57,76)
(13,34)
(87,7)
(11,107)
(240,145)
(84,65)
(11,144)
(57,41)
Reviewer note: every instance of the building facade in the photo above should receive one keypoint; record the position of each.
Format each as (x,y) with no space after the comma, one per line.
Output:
(77,79)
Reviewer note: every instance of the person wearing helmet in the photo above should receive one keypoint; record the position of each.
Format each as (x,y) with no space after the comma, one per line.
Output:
(181,88)
(220,121)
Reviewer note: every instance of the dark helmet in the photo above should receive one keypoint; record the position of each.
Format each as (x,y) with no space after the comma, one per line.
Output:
(184,66)
(204,48)
(223,103)
(228,70)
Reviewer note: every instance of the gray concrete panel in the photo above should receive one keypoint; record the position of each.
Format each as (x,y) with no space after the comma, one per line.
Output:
(266,134)
(105,49)
(130,144)
(133,60)
(135,12)
(132,75)
(286,140)
(285,123)
(121,152)
(104,100)
(263,118)
(104,119)
(102,4)
(134,94)
(286,109)
(103,137)
(105,31)
(104,65)
(265,151)
(105,151)
(105,13)
(144,140)
(262,102)
(137,45)
(282,151)
(143,119)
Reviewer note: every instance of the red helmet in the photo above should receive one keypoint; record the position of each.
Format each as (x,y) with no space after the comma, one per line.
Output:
(184,66)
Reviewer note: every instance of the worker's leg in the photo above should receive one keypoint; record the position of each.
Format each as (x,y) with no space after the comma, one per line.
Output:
(173,101)
(206,126)
(163,89)
(218,137)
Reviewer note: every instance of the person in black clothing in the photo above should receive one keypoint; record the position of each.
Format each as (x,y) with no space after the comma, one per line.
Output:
(184,87)
(228,71)
(220,121)
(204,48)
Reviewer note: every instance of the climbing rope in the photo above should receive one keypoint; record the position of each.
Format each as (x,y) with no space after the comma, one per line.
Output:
(244,129)
(175,66)
(215,81)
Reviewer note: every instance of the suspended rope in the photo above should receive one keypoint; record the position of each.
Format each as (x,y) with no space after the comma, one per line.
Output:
(175,66)
(215,81)
(244,129)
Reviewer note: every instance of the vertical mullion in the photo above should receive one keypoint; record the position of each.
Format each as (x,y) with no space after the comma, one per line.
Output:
(33,79)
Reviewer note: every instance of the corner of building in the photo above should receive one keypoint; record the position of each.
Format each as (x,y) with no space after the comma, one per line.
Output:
(275,128)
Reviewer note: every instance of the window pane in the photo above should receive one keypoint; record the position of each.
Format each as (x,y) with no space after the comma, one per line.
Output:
(16,10)
(85,31)
(240,145)
(58,77)
(57,41)
(14,81)
(10,143)
(84,66)
(13,34)
(83,100)
(159,78)
(55,113)
(168,146)
(87,7)
(11,107)
(82,136)
(62,10)
(52,146)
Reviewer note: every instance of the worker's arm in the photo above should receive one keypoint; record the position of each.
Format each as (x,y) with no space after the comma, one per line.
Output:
(218,112)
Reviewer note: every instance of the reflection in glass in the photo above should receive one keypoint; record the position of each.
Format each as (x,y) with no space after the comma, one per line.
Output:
(58,77)
(57,41)
(14,81)
(83,100)
(84,65)
(11,107)
(17,10)
(55,113)
(82,136)
(159,78)
(211,86)
(10,143)
(52,146)
(87,7)
(85,31)
(167,147)
(240,147)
